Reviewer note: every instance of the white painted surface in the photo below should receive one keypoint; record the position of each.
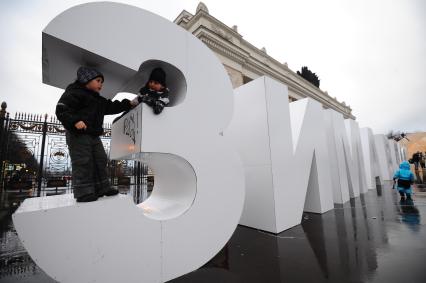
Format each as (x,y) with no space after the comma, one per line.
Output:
(199,180)
(100,241)
(389,157)
(356,157)
(277,143)
(398,154)
(393,154)
(383,154)
(338,145)
(372,169)
(249,133)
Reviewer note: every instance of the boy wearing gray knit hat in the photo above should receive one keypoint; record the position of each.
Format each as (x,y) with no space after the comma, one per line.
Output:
(81,110)
(85,75)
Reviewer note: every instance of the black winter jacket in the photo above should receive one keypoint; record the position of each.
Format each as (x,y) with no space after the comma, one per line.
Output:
(162,96)
(81,104)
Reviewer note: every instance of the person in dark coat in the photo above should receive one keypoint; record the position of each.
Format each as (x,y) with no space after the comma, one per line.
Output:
(81,110)
(416,160)
(155,92)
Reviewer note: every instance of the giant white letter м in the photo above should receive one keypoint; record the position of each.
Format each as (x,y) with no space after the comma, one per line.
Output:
(199,180)
(357,173)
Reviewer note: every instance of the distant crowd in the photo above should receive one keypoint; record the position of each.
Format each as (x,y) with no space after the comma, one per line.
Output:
(418,160)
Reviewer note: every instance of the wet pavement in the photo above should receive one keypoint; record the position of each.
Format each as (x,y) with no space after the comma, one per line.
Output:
(372,238)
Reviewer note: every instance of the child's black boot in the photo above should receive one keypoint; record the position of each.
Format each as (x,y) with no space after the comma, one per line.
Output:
(109,192)
(87,198)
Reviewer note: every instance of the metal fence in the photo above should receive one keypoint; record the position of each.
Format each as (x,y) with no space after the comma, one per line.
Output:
(34,154)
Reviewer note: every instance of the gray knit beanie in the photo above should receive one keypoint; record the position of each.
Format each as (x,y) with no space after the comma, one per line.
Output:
(86,74)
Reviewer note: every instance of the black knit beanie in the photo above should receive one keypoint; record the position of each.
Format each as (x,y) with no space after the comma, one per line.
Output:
(158,75)
(86,74)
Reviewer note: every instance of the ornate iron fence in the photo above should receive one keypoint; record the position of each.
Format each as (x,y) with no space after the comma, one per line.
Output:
(42,139)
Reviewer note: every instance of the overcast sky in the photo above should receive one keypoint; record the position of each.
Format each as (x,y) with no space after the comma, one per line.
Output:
(370,54)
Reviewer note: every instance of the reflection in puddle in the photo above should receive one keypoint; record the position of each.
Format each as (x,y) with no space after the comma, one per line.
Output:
(371,238)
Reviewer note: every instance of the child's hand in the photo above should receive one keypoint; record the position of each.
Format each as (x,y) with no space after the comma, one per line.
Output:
(80,125)
(134,102)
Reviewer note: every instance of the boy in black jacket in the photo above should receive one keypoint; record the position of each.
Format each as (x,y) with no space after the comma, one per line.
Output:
(81,110)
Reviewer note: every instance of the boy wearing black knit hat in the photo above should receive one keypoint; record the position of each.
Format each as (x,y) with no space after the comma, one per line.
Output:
(154,93)
(81,110)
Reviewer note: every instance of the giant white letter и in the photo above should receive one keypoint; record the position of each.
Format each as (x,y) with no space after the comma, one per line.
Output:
(199,180)
(285,155)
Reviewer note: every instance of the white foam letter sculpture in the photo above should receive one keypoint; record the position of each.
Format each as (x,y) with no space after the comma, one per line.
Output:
(285,155)
(357,172)
(199,180)
(371,159)
(339,150)
(383,152)
(393,154)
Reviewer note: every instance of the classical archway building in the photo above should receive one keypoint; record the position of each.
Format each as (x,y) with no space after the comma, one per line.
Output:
(245,62)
